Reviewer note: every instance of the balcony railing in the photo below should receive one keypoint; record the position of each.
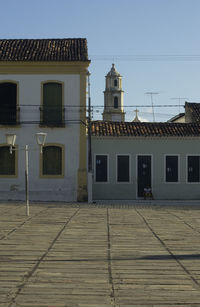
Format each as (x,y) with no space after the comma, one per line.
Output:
(9,115)
(52,116)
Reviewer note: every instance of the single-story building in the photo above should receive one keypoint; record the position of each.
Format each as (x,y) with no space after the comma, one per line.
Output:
(131,156)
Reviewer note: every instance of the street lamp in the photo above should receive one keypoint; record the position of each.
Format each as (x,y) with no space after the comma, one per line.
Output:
(90,175)
(40,138)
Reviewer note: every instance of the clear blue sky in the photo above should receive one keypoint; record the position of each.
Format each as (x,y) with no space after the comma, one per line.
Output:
(122,29)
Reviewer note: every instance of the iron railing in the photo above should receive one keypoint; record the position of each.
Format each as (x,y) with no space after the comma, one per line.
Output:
(52,116)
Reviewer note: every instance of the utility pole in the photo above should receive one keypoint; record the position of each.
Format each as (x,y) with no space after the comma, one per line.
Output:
(179,101)
(152,105)
(90,175)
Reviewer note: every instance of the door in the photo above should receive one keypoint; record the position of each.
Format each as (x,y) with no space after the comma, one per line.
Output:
(143,174)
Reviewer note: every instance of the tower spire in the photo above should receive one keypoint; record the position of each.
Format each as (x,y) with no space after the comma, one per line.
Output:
(113,97)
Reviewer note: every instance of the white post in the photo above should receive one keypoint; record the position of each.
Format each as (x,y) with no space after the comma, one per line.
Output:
(26,180)
(90,181)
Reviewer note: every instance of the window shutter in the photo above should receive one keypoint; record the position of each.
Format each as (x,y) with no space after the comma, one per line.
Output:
(7,161)
(52,103)
(52,160)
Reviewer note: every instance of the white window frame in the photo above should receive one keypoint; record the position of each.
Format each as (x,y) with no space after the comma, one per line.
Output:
(175,182)
(108,173)
(123,182)
(189,155)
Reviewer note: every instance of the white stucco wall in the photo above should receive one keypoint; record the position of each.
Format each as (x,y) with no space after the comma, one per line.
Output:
(29,93)
(157,147)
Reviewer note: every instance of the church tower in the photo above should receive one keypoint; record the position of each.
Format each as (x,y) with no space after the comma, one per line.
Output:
(113,97)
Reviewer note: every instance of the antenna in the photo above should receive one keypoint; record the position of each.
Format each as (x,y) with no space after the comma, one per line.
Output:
(151,94)
(179,101)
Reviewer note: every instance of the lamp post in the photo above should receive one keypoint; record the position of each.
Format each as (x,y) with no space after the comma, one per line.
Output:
(89,144)
(10,139)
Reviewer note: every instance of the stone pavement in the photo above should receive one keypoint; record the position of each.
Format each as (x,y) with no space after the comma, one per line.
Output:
(116,255)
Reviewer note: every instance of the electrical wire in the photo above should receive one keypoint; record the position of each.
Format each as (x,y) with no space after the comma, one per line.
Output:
(146,57)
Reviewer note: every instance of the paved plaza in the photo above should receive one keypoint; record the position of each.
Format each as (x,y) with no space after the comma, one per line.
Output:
(103,255)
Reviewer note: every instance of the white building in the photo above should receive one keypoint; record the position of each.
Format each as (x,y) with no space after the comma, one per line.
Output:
(43,89)
(131,156)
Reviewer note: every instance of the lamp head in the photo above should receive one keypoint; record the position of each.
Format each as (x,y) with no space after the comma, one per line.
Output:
(40,138)
(10,139)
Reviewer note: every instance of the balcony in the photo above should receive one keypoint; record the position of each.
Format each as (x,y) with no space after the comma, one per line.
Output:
(52,116)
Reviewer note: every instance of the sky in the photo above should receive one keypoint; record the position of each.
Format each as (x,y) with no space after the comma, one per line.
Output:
(154,44)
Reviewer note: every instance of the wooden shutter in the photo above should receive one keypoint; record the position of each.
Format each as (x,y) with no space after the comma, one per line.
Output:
(122,168)
(7,161)
(171,168)
(8,103)
(193,169)
(52,160)
(101,168)
(52,103)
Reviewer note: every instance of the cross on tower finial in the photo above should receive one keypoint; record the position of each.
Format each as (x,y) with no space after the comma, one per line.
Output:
(136,119)
(136,112)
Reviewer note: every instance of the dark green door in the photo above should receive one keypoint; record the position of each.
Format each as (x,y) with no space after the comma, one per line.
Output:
(144,174)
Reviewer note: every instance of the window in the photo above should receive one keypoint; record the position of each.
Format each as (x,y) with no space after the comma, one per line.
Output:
(193,169)
(52,160)
(123,168)
(8,103)
(52,111)
(115,102)
(7,162)
(101,168)
(171,171)
(115,82)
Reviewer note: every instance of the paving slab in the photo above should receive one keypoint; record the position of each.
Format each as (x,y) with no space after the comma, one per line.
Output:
(100,255)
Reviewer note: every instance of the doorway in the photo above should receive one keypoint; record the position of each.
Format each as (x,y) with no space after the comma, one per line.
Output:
(143,174)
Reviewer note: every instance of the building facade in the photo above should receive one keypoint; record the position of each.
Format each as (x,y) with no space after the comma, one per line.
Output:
(131,156)
(43,89)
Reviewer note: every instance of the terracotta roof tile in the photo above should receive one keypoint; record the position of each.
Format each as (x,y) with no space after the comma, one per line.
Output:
(102,128)
(65,49)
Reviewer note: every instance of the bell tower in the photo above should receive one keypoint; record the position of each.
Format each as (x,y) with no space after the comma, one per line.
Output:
(113,97)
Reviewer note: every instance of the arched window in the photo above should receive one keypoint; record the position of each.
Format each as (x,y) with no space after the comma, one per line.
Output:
(8,103)
(7,162)
(115,82)
(52,104)
(52,160)
(115,102)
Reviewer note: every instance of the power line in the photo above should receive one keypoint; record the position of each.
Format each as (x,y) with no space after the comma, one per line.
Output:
(144,106)
(100,106)
(179,99)
(147,57)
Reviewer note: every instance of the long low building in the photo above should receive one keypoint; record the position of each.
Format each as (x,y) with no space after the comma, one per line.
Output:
(131,156)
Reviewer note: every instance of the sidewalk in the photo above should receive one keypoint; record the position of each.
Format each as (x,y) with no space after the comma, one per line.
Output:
(116,255)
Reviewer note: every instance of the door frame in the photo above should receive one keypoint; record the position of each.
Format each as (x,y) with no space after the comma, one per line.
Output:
(143,154)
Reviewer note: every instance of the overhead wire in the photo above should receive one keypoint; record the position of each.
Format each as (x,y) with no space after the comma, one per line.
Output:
(146,57)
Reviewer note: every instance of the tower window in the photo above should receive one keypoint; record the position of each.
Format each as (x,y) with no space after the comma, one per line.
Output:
(115,82)
(115,102)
